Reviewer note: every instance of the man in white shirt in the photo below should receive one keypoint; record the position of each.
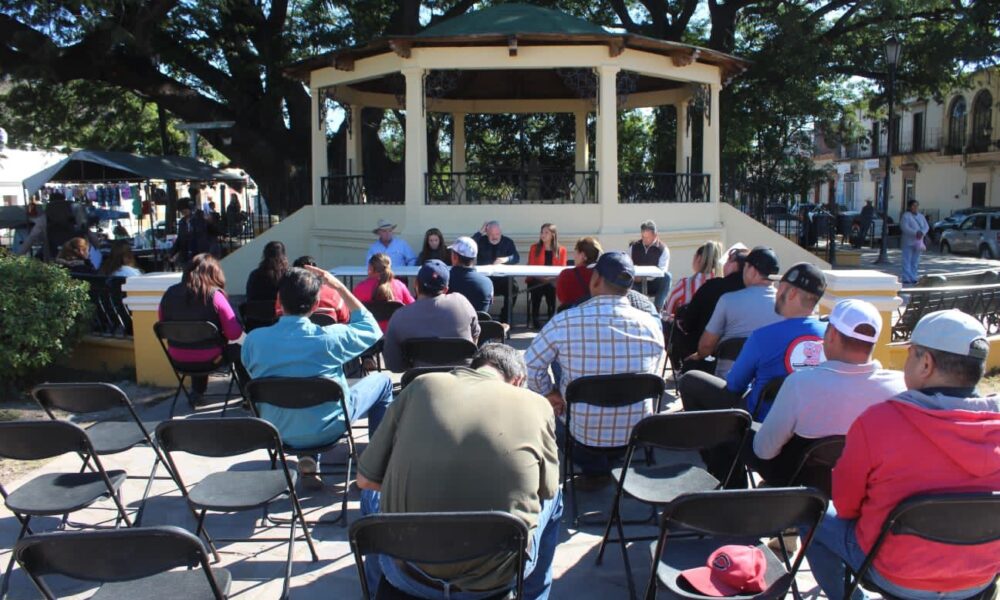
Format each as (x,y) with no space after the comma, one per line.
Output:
(824,400)
(913,227)
(398,251)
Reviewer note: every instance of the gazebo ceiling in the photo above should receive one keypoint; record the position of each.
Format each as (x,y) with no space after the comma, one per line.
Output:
(513,26)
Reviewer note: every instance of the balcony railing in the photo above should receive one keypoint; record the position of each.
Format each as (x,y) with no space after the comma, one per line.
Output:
(656,188)
(512,187)
(362,189)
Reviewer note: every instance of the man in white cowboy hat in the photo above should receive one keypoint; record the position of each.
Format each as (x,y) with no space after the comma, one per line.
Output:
(398,251)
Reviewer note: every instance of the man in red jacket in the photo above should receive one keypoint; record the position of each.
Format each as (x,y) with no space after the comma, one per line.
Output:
(937,436)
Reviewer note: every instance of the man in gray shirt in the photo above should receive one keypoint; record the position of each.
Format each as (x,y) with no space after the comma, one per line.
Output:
(436,313)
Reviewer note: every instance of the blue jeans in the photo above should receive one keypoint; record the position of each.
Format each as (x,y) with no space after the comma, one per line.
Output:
(911,262)
(591,463)
(370,395)
(835,544)
(659,288)
(537,568)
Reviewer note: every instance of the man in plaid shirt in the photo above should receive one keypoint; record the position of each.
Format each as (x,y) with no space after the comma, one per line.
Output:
(603,336)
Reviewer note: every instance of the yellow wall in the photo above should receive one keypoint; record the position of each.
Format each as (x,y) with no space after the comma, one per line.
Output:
(896,354)
(102,355)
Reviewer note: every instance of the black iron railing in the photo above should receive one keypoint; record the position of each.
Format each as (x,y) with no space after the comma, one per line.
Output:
(512,187)
(111,317)
(640,188)
(362,189)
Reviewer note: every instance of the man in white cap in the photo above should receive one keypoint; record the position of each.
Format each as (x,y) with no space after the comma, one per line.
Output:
(938,436)
(398,251)
(464,279)
(825,400)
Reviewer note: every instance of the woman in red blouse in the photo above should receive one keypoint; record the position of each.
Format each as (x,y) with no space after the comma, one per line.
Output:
(546,252)
(573,285)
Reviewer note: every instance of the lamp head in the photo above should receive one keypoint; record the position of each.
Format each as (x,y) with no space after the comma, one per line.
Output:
(892,49)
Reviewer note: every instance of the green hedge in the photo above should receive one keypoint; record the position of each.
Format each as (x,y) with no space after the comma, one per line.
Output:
(43,315)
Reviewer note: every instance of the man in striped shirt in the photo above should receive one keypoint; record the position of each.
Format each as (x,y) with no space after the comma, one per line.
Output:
(603,336)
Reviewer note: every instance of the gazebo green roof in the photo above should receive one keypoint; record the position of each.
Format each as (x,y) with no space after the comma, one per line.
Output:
(513,19)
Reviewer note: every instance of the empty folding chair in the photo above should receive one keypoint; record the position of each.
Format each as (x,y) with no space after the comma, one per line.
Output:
(382,311)
(438,538)
(61,493)
(962,519)
(732,517)
(415,372)
(432,352)
(193,334)
(293,393)
(128,563)
(107,436)
(491,331)
(234,491)
(659,485)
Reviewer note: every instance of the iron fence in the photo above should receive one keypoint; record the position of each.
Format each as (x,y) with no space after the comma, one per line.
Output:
(656,188)
(512,187)
(362,189)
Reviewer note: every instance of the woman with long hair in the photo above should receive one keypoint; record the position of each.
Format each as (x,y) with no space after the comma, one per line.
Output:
(706,265)
(121,262)
(75,257)
(546,252)
(381,285)
(434,247)
(201,296)
(262,284)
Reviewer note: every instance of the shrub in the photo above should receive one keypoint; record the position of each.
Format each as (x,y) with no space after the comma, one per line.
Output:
(43,315)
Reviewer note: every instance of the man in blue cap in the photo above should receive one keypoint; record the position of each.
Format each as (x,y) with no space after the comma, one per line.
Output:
(436,313)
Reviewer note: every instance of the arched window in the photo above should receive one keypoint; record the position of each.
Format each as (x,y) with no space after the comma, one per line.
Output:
(982,121)
(956,126)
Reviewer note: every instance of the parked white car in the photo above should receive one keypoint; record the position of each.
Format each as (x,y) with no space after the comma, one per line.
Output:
(977,234)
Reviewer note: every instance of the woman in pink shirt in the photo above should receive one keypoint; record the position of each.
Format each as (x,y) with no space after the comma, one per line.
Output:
(201,296)
(381,285)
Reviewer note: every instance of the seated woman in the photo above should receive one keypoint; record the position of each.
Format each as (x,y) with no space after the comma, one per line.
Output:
(201,296)
(262,284)
(573,285)
(381,285)
(546,252)
(705,265)
(121,262)
(434,247)
(330,302)
(75,257)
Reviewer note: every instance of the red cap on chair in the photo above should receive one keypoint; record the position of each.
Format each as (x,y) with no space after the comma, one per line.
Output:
(731,570)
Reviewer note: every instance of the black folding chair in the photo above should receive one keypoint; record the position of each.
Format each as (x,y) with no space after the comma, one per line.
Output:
(415,372)
(660,485)
(608,392)
(483,316)
(61,493)
(729,349)
(432,352)
(965,519)
(438,538)
(382,311)
(768,395)
(129,563)
(491,331)
(194,334)
(713,519)
(295,393)
(257,313)
(234,491)
(107,436)
(815,469)
(322,319)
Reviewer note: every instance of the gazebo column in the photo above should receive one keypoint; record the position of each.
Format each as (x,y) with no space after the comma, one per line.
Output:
(416,142)
(607,141)
(683,139)
(320,166)
(582,150)
(711,146)
(353,165)
(458,157)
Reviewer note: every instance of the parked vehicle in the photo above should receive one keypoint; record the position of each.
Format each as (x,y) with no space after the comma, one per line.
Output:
(952,221)
(978,233)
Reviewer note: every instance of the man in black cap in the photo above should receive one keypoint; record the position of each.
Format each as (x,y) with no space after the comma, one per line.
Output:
(436,313)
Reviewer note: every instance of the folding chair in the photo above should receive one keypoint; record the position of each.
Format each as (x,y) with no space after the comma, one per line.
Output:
(382,311)
(432,352)
(606,392)
(965,519)
(234,491)
(107,436)
(193,334)
(491,331)
(767,395)
(729,349)
(257,313)
(718,518)
(292,393)
(662,485)
(55,493)
(483,316)
(815,469)
(438,538)
(415,372)
(322,319)
(129,563)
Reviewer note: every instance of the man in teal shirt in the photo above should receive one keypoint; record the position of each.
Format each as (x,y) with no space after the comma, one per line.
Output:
(296,347)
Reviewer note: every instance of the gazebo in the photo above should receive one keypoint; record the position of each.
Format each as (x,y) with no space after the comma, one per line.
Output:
(516,58)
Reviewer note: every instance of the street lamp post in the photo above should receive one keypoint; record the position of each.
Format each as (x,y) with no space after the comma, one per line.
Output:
(892,48)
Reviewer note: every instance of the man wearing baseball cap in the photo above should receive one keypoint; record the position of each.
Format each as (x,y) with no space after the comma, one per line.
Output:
(824,401)
(938,436)
(464,279)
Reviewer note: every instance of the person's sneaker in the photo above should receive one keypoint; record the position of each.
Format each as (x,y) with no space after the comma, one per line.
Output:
(196,398)
(309,473)
(592,483)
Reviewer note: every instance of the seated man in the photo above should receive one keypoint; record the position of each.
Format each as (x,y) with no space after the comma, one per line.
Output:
(469,440)
(650,251)
(824,401)
(497,249)
(739,314)
(937,436)
(436,313)
(295,347)
(603,336)
(464,279)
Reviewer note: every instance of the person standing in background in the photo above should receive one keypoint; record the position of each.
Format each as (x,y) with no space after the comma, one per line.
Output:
(913,227)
